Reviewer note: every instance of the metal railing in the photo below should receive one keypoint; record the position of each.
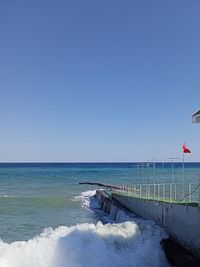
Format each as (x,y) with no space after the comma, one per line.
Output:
(169,192)
(163,181)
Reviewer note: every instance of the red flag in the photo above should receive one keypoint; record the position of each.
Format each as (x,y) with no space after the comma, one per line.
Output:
(186,149)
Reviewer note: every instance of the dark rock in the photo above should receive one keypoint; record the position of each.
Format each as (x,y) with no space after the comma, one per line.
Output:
(178,256)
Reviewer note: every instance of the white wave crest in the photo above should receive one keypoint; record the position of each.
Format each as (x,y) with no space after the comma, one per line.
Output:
(110,245)
(88,199)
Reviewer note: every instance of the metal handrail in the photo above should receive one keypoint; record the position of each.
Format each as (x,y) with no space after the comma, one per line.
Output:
(171,192)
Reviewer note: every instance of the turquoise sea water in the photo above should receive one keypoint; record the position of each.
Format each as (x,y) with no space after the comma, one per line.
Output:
(34,197)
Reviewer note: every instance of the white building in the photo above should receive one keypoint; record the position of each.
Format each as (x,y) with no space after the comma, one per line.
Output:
(196,117)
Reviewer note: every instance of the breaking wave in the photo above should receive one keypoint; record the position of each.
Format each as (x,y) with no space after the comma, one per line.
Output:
(88,200)
(130,243)
(90,245)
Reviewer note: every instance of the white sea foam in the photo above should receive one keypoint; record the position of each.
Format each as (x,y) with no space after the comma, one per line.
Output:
(110,245)
(88,199)
(8,196)
(131,243)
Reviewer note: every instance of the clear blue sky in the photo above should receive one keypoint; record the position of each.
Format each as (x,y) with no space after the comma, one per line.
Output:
(99,80)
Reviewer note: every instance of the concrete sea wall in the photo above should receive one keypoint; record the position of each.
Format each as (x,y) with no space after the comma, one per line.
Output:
(182,223)
(116,211)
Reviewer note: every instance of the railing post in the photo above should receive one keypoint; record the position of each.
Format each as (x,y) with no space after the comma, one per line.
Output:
(154,179)
(146,191)
(190,193)
(174,191)
(170,192)
(164,192)
(199,189)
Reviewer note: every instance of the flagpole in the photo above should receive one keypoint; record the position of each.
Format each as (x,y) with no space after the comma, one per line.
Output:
(154,178)
(183,160)
(185,150)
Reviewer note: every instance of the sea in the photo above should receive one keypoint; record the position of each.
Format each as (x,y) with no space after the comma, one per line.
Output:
(47,219)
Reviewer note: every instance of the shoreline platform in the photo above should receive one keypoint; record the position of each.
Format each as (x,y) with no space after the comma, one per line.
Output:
(181,222)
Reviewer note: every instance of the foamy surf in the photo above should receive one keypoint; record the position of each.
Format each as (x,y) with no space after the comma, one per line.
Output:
(90,245)
(88,200)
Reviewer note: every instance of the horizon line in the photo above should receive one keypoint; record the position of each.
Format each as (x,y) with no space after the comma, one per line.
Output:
(86,162)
